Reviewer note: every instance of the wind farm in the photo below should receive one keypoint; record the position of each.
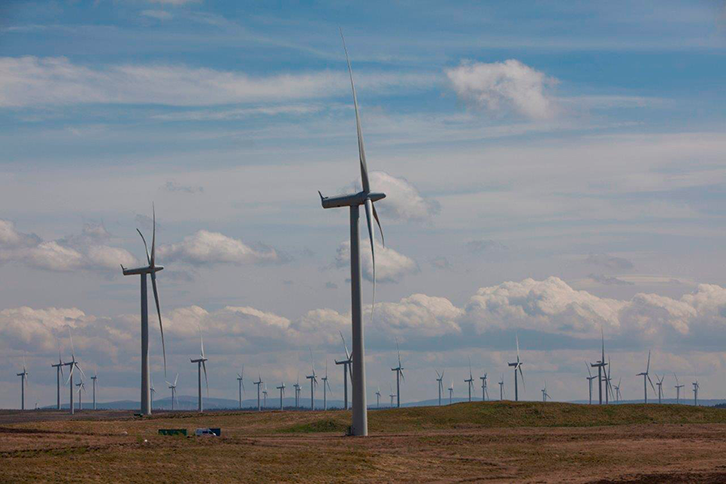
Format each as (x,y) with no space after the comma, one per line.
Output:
(550,177)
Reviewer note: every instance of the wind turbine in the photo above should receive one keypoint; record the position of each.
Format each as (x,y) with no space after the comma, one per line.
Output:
(282,394)
(346,371)
(172,386)
(152,269)
(608,384)
(470,381)
(451,393)
(378,398)
(23,383)
(600,365)
(678,389)
(696,386)
(399,376)
(326,387)
(545,395)
(94,378)
(440,381)
(313,382)
(646,379)
(201,365)
(618,396)
(73,364)
(240,380)
(391,395)
(58,376)
(264,396)
(484,389)
(297,391)
(659,384)
(501,389)
(517,365)
(366,198)
(258,383)
(81,388)
(590,378)
(153,392)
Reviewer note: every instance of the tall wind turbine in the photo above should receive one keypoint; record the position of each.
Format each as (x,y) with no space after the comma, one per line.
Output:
(240,380)
(399,376)
(484,390)
(517,365)
(366,198)
(58,376)
(264,396)
(659,384)
(282,394)
(470,381)
(501,388)
(590,378)
(696,386)
(23,384)
(81,388)
(326,387)
(172,387)
(451,393)
(152,390)
(440,380)
(94,378)
(608,383)
(646,379)
(545,395)
(297,391)
(347,370)
(259,384)
(151,269)
(391,395)
(678,387)
(73,364)
(201,365)
(313,382)
(600,365)
(378,397)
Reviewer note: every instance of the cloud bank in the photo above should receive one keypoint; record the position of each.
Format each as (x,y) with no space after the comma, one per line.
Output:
(205,247)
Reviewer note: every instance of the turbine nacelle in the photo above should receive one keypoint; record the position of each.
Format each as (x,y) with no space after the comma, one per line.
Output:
(141,270)
(350,200)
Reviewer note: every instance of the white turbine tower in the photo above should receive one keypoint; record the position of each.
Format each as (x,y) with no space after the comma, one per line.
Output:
(151,269)
(23,384)
(440,381)
(696,386)
(470,381)
(347,370)
(58,377)
(172,387)
(365,198)
(391,394)
(451,393)
(282,394)
(313,382)
(240,381)
(501,388)
(399,377)
(201,365)
(590,378)
(646,379)
(484,388)
(678,387)
(517,365)
(94,378)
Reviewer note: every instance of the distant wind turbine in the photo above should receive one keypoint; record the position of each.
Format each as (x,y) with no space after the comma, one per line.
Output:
(517,365)
(618,395)
(484,389)
(399,377)
(646,379)
(172,387)
(501,389)
(201,365)
(470,381)
(58,377)
(678,387)
(151,269)
(366,198)
(659,384)
(23,384)
(440,381)
(451,393)
(391,395)
(282,394)
(378,397)
(264,396)
(590,378)
(600,365)
(94,378)
(696,386)
(73,364)
(241,382)
(153,393)
(545,395)
(347,370)
(259,384)
(326,386)
(297,391)
(313,381)
(81,388)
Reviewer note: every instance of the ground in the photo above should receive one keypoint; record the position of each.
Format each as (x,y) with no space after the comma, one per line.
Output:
(523,442)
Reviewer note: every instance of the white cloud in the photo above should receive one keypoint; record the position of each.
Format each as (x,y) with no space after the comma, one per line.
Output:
(391,266)
(504,86)
(35,81)
(403,202)
(157,14)
(418,315)
(206,247)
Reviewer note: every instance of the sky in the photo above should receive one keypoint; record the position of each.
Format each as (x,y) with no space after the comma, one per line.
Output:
(552,171)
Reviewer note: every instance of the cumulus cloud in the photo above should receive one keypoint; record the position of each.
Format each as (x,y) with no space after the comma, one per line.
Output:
(419,315)
(37,81)
(403,202)
(87,251)
(609,280)
(609,261)
(391,266)
(500,87)
(205,247)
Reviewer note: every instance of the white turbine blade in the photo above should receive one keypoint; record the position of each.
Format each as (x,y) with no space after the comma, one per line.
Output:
(73,349)
(201,339)
(368,206)
(361,148)
(442,374)
(81,370)
(437,374)
(176,379)
(146,248)
(647,368)
(153,235)
(70,375)
(399,353)
(204,366)
(347,354)
(521,375)
(589,373)
(378,221)
(517,340)
(650,381)
(158,312)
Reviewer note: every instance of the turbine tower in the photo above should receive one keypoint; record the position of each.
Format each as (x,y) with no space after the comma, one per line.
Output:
(201,365)
(313,382)
(378,398)
(172,387)
(451,393)
(618,396)
(58,376)
(501,389)
(391,395)
(73,364)
(646,379)
(153,392)
(23,383)
(240,380)
(470,381)
(659,384)
(590,378)
(696,386)
(366,198)
(94,378)
(326,387)
(258,383)
(81,388)
(297,391)
(678,387)
(517,365)
(282,394)
(264,396)
(440,380)
(399,376)
(152,269)
(608,384)
(484,389)
(347,370)
(600,365)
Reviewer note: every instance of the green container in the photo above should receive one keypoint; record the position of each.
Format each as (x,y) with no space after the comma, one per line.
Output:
(173,432)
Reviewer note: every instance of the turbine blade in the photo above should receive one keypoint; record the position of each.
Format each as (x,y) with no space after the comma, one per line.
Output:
(521,375)
(647,368)
(517,339)
(347,354)
(361,148)
(158,312)
(148,257)
(589,373)
(153,235)
(81,370)
(368,206)
(378,221)
(204,366)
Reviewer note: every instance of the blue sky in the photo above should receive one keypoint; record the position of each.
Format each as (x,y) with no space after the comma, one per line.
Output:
(551,169)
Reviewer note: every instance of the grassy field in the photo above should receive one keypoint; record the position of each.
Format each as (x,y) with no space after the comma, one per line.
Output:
(507,441)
